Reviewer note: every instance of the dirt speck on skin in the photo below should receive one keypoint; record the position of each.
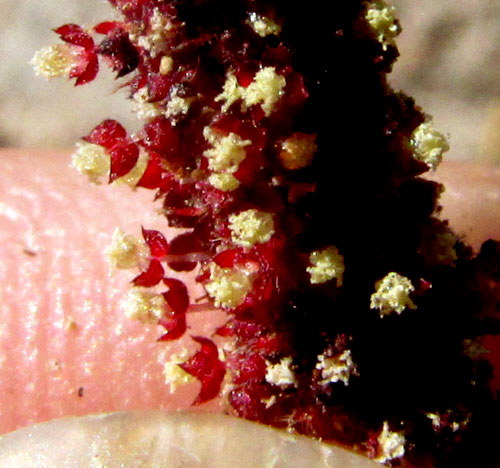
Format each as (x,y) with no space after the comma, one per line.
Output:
(80,391)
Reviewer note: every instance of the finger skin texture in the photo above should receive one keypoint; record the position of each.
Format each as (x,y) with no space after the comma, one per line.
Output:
(66,347)
(176,440)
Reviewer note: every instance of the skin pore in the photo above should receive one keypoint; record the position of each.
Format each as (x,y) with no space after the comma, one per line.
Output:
(66,347)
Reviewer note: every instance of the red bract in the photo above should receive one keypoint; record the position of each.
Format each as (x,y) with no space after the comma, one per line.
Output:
(177,299)
(177,296)
(161,137)
(206,366)
(175,324)
(247,366)
(151,277)
(182,244)
(158,245)
(119,51)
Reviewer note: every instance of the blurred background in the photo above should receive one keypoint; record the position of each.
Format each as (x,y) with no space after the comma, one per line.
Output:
(450,63)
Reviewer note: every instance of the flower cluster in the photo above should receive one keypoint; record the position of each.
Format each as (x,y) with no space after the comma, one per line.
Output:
(296,177)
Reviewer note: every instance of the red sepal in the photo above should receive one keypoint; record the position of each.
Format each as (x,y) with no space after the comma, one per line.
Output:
(88,73)
(123,159)
(155,176)
(178,300)
(177,296)
(106,134)
(152,276)
(74,34)
(106,27)
(175,324)
(206,366)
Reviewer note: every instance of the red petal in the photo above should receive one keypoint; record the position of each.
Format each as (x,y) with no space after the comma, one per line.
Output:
(152,276)
(158,245)
(106,134)
(74,34)
(177,296)
(206,366)
(90,71)
(123,159)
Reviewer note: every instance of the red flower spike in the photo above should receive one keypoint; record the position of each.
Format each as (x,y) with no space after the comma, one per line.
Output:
(75,35)
(206,366)
(124,157)
(158,245)
(177,296)
(106,134)
(152,276)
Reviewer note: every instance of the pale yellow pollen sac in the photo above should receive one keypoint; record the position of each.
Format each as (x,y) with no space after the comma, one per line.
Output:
(155,39)
(382,19)
(166,65)
(327,264)
(145,306)
(298,151)
(177,106)
(227,151)
(251,227)
(266,89)
(55,61)
(391,445)
(392,294)
(144,109)
(281,374)
(337,368)
(126,251)
(175,376)
(228,287)
(263,25)
(429,145)
(224,181)
(91,160)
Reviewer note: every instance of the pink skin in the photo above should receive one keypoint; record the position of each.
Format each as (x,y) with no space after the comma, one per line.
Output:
(55,226)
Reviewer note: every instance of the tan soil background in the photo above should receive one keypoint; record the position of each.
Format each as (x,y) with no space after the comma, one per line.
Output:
(450,62)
